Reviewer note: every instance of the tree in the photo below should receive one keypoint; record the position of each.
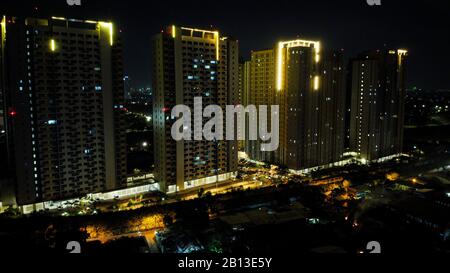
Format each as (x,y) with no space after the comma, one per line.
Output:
(215,246)
(239,176)
(346,185)
(200,192)
(12,212)
(167,220)
(193,214)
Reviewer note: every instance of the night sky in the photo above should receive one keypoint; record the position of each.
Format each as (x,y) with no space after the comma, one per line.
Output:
(423,27)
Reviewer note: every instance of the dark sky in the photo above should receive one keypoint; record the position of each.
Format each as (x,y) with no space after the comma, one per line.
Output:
(423,27)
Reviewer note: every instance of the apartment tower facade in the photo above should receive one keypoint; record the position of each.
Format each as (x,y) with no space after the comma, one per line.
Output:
(62,87)
(308,84)
(377,103)
(189,63)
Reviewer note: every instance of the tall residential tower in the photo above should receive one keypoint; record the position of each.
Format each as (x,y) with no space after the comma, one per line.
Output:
(62,88)
(189,63)
(377,103)
(308,83)
(259,84)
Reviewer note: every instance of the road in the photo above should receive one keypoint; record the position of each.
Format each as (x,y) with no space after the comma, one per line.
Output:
(222,188)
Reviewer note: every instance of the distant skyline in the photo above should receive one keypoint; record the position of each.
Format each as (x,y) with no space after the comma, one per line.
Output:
(419,26)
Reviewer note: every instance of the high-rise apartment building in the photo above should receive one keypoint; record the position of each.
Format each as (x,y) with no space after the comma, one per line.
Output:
(189,63)
(308,84)
(7,191)
(377,103)
(260,85)
(244,72)
(62,88)
(333,107)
